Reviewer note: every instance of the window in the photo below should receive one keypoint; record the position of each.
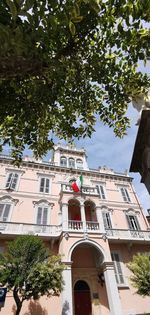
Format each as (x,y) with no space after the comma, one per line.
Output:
(133,222)
(79,164)
(101,191)
(12,180)
(117,267)
(63,161)
(44,185)
(125,194)
(4,211)
(71,162)
(42,215)
(107,220)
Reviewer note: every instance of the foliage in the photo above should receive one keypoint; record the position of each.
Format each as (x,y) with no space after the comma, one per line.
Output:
(63,62)
(140,266)
(29,271)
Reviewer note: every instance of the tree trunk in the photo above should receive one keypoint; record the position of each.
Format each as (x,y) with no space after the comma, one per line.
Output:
(17,300)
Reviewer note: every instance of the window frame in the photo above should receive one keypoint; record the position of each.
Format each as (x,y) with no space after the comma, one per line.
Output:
(125,194)
(10,182)
(42,204)
(71,159)
(5,204)
(101,191)
(65,158)
(135,223)
(79,162)
(44,186)
(107,219)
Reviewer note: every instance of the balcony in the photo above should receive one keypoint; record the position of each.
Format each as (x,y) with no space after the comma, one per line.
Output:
(116,234)
(79,226)
(13,228)
(93,191)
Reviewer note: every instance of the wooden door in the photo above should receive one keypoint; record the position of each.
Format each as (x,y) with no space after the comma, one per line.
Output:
(82,299)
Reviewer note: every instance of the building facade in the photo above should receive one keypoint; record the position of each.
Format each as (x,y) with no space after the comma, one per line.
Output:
(97,231)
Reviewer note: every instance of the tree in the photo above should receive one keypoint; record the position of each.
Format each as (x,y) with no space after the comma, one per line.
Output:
(29,271)
(63,63)
(140,266)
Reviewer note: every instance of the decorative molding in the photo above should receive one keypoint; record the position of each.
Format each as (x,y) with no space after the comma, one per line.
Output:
(9,199)
(131,210)
(45,175)
(42,201)
(14,170)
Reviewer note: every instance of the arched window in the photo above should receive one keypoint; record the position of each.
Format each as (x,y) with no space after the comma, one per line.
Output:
(79,163)
(63,161)
(71,162)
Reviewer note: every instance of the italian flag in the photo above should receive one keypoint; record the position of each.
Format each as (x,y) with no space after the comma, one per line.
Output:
(76,186)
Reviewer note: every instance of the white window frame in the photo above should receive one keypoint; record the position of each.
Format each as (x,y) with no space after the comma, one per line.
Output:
(42,203)
(65,158)
(125,194)
(133,222)
(72,160)
(5,204)
(6,200)
(118,268)
(44,186)
(106,215)
(9,187)
(79,164)
(102,191)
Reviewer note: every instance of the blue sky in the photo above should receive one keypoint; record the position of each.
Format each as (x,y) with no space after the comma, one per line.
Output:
(105,149)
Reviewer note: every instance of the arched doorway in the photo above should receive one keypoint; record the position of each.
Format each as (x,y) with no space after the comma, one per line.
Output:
(82,298)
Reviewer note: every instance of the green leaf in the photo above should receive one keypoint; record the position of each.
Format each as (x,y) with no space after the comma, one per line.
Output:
(72,28)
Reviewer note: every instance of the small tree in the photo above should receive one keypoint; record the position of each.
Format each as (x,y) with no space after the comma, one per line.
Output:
(140,266)
(29,271)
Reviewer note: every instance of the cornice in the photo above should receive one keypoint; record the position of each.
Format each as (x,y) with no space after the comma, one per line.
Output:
(58,169)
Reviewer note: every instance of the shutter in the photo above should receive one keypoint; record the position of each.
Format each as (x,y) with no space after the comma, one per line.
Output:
(14,181)
(1,211)
(9,180)
(129,222)
(137,223)
(47,186)
(42,183)
(39,215)
(117,268)
(102,192)
(45,213)
(108,220)
(6,212)
(127,196)
(123,194)
(104,219)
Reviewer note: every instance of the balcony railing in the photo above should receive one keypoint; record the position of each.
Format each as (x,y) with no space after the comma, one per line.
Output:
(79,226)
(24,228)
(127,234)
(85,190)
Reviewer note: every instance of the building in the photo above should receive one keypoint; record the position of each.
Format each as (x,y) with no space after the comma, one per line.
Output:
(97,231)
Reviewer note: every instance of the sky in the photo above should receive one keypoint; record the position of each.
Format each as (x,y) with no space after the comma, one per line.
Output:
(105,149)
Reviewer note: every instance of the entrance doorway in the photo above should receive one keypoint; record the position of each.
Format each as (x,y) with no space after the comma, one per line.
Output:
(82,298)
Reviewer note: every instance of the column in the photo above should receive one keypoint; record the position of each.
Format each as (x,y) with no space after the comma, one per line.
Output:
(65,216)
(67,308)
(112,290)
(100,219)
(83,219)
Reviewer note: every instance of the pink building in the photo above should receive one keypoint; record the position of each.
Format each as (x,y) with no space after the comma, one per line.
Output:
(97,231)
